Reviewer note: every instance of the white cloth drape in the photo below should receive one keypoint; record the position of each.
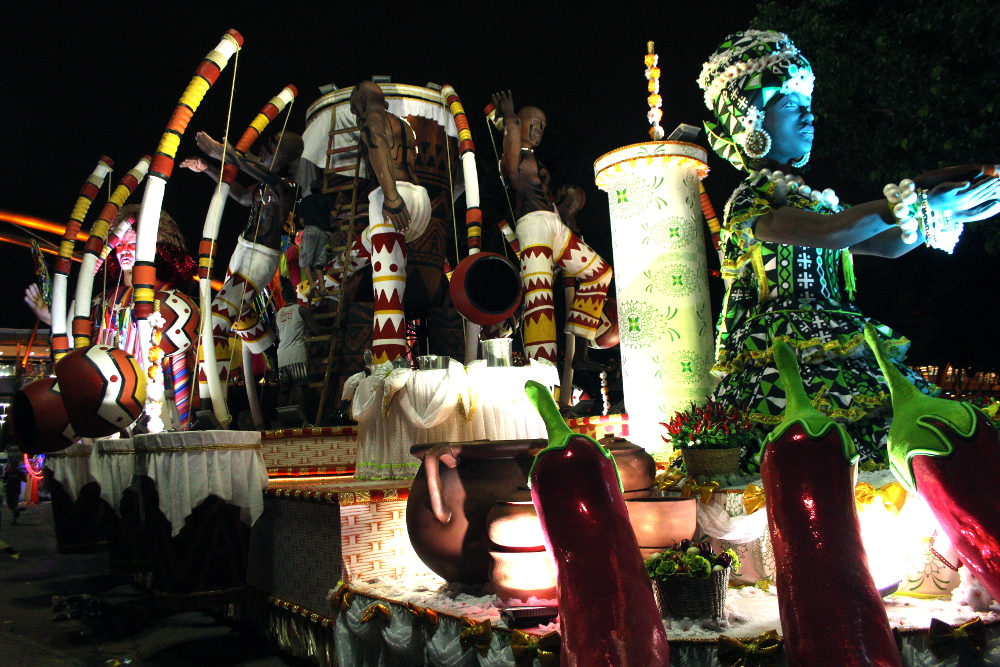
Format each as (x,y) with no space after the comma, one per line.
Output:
(715,521)
(187,467)
(71,466)
(399,642)
(397,408)
(112,463)
(316,136)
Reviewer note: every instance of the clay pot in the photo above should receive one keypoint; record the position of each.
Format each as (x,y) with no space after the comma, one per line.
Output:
(635,466)
(661,522)
(522,566)
(486,288)
(446,514)
(38,417)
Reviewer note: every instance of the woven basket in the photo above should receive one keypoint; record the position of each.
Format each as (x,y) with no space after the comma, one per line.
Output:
(711,462)
(685,596)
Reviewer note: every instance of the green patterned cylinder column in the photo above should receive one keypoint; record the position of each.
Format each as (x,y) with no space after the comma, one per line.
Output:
(661,275)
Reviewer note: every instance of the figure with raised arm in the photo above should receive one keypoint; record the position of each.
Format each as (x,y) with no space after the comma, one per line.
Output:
(399,211)
(788,246)
(546,241)
(255,260)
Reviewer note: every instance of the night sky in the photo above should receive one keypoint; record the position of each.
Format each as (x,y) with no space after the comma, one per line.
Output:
(93,79)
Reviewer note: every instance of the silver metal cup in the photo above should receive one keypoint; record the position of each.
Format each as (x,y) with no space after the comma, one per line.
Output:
(497,351)
(433,362)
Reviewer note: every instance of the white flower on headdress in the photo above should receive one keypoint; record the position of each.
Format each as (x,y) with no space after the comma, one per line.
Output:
(801,81)
(754,118)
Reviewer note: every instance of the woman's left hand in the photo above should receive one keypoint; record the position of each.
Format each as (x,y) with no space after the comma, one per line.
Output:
(964,197)
(981,212)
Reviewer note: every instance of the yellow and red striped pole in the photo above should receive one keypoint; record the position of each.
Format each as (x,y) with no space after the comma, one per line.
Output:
(207,247)
(473,214)
(162,166)
(467,153)
(95,246)
(64,263)
(708,211)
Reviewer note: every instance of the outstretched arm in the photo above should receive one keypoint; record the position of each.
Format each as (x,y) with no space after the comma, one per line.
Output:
(511,161)
(237,192)
(870,228)
(847,229)
(377,135)
(247,163)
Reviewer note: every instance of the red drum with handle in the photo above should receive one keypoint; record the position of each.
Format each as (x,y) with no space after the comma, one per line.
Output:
(39,419)
(486,288)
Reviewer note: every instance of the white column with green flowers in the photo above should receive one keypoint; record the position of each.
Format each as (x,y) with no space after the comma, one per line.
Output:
(661,275)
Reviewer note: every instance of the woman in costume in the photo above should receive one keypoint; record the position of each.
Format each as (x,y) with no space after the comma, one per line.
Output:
(112,315)
(787,246)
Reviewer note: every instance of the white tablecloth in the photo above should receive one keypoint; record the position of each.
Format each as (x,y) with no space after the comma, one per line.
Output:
(71,466)
(398,408)
(187,467)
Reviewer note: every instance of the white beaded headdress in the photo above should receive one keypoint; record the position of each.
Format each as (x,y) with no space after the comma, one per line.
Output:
(743,74)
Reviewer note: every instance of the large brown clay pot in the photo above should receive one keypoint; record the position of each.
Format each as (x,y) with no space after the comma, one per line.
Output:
(661,522)
(446,514)
(522,566)
(636,467)
(455,488)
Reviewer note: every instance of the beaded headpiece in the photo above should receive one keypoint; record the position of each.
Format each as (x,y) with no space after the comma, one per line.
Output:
(740,78)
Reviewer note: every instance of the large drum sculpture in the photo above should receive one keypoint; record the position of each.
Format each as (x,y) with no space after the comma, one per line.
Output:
(665,322)
(331,142)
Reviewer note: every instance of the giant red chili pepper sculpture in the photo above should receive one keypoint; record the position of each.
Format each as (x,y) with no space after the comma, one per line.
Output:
(948,452)
(607,613)
(831,612)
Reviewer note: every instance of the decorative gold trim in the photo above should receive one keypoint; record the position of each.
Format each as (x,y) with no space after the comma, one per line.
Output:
(139,449)
(184,450)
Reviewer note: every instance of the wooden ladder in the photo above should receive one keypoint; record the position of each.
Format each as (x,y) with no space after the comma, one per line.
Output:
(345,250)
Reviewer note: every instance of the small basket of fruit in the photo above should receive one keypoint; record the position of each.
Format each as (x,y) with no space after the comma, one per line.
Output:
(691,580)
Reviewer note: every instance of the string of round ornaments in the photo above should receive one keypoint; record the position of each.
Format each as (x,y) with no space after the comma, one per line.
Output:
(908,205)
(787,183)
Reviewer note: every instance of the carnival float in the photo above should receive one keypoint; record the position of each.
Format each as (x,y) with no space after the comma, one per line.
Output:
(460,514)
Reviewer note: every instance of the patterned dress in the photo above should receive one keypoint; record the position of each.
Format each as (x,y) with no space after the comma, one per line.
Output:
(802,296)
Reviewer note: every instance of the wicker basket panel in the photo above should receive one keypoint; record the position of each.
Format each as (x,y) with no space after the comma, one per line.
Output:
(711,462)
(685,596)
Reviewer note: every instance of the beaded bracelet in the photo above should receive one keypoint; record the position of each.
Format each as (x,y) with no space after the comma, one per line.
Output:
(905,208)
(939,230)
(394,209)
(912,211)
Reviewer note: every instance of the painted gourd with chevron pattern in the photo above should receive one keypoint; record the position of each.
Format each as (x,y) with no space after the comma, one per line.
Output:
(182,318)
(103,389)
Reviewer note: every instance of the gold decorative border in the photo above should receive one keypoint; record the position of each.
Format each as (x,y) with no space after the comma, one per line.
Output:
(177,450)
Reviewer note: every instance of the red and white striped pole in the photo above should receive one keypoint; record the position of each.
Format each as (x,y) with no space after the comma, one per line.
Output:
(473,214)
(160,169)
(64,263)
(94,248)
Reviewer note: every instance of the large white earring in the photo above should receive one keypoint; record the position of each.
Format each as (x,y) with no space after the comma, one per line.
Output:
(801,162)
(757,144)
